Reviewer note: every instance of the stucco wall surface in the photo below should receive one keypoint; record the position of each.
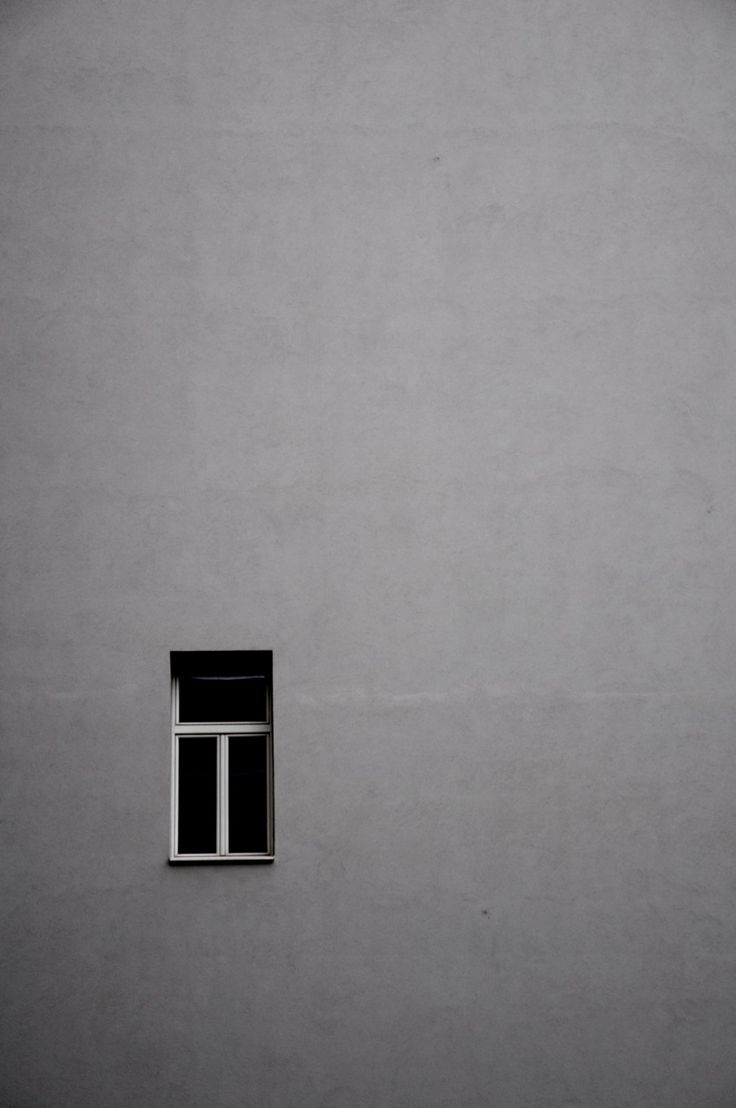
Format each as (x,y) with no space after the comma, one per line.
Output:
(396,336)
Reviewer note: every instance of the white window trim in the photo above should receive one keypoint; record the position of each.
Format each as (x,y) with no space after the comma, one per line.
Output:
(220,731)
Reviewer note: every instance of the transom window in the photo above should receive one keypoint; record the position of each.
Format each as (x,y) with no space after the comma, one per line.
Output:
(222,756)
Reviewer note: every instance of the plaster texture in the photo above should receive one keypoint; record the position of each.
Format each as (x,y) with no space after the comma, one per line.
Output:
(398,337)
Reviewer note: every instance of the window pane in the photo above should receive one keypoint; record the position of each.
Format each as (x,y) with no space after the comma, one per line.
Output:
(222,699)
(248,798)
(197,794)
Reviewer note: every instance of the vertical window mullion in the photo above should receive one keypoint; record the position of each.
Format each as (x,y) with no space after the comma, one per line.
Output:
(222,798)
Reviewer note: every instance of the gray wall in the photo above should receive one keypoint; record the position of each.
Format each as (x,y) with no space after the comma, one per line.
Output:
(396,336)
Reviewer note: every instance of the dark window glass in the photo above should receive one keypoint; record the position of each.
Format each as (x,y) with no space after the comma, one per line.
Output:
(248,782)
(222,699)
(197,794)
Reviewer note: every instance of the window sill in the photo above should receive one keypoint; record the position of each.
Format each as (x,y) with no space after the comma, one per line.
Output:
(255,859)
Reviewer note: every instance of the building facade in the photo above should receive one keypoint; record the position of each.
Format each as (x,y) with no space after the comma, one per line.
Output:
(395,337)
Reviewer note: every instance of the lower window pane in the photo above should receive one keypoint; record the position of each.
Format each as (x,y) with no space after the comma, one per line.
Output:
(197,794)
(248,797)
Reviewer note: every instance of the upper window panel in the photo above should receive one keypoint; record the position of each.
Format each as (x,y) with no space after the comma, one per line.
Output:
(222,686)
(238,699)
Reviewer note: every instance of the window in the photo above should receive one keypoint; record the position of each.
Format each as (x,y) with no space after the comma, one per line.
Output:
(222,756)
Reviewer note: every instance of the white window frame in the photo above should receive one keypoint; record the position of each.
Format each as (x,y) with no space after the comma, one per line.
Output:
(222,732)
